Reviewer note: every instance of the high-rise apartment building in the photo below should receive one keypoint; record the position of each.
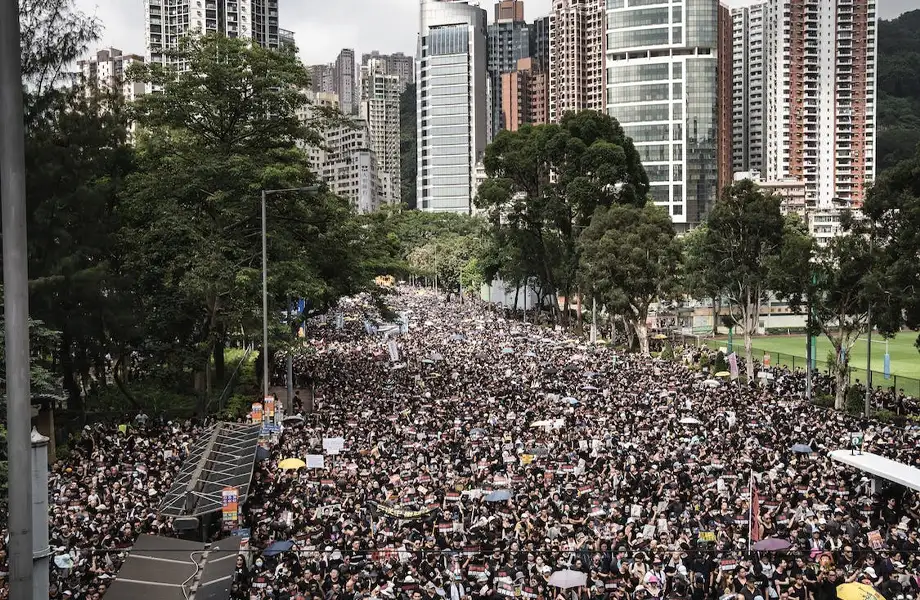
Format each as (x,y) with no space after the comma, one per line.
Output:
(264,14)
(107,70)
(819,58)
(380,110)
(394,64)
(662,61)
(345,161)
(539,43)
(167,21)
(453,109)
(509,42)
(748,88)
(576,58)
(346,81)
(525,96)
(322,79)
(724,100)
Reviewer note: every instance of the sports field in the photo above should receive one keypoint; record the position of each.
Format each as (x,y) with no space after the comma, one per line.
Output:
(789,350)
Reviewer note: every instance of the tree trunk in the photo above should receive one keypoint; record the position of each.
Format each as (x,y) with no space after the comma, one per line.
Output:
(74,399)
(220,342)
(747,316)
(715,315)
(841,369)
(517,290)
(121,386)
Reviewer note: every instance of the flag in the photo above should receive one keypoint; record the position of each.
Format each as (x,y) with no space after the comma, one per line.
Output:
(733,365)
(887,366)
(754,524)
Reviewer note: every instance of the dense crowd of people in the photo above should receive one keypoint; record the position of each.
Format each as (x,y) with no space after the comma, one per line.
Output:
(493,455)
(494,458)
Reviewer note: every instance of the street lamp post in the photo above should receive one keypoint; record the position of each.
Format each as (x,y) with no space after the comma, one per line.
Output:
(16,309)
(265,193)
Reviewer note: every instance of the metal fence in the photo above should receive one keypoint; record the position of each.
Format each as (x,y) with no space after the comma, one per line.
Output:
(910,386)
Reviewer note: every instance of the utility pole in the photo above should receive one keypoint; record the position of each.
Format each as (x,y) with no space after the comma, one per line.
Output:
(16,305)
(313,189)
(868,408)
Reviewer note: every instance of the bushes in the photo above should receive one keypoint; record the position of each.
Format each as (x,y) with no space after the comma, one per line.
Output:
(667,353)
(238,406)
(704,361)
(824,400)
(720,364)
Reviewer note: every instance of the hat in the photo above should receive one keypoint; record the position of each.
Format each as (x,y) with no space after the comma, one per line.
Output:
(869,571)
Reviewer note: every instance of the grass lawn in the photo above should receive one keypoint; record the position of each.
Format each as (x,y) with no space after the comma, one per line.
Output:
(789,350)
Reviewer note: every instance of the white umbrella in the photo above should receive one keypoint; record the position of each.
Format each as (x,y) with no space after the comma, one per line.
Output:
(568,579)
(541,424)
(711,383)
(691,421)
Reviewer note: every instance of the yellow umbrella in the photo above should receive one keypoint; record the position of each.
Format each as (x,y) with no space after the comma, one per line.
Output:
(723,374)
(858,591)
(660,336)
(291,464)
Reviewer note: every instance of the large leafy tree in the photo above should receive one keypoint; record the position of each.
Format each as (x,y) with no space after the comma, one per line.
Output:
(843,288)
(893,206)
(745,253)
(210,141)
(547,182)
(77,159)
(629,259)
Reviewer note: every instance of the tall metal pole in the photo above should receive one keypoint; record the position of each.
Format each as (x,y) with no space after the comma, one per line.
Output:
(42,551)
(265,374)
(808,326)
(16,304)
(868,408)
(289,370)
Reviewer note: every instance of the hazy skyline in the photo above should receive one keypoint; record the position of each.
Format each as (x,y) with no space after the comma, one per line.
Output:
(330,25)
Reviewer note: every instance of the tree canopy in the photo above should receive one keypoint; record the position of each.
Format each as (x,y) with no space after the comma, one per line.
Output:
(545,183)
(630,259)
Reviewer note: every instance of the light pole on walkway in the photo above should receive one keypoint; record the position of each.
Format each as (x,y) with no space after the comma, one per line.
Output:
(265,374)
(16,306)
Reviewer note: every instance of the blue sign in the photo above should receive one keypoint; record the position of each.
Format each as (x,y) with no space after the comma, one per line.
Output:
(240,532)
(269,429)
(887,366)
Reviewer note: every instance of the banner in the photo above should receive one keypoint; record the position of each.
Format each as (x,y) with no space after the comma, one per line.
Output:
(394,351)
(256,412)
(270,408)
(766,361)
(229,497)
(401,513)
(887,366)
(733,365)
(340,321)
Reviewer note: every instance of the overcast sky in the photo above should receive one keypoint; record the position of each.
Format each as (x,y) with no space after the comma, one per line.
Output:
(323,27)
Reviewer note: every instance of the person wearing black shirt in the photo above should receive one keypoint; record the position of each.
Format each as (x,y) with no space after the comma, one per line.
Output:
(826,588)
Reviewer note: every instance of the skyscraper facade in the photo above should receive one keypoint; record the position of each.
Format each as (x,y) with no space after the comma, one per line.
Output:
(346,81)
(394,64)
(539,43)
(662,62)
(167,21)
(453,109)
(107,70)
(576,56)
(380,109)
(265,30)
(509,42)
(524,96)
(748,88)
(820,63)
